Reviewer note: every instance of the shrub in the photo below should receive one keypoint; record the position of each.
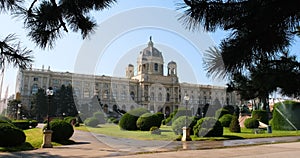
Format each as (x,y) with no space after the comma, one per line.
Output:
(179,123)
(219,113)
(128,120)
(208,127)
(91,121)
(22,124)
(232,109)
(33,123)
(62,130)
(181,112)
(261,115)
(225,120)
(251,123)
(100,116)
(5,119)
(234,124)
(147,120)
(161,116)
(290,110)
(71,120)
(155,130)
(11,135)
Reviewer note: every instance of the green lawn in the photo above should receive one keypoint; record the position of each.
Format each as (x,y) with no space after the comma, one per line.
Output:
(34,140)
(115,131)
(168,134)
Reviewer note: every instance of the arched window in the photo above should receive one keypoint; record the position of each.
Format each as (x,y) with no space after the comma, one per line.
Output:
(168,97)
(132,95)
(155,67)
(159,97)
(152,96)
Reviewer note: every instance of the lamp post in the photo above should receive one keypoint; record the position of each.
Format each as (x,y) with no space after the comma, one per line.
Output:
(19,111)
(185,129)
(47,132)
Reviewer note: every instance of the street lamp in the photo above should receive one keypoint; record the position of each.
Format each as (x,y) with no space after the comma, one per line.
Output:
(49,93)
(186,130)
(47,131)
(19,111)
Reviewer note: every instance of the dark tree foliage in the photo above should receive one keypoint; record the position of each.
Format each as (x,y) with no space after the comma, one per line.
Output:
(254,53)
(12,108)
(47,20)
(11,51)
(39,104)
(63,102)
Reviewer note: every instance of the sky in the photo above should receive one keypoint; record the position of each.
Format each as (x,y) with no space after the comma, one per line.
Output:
(123,31)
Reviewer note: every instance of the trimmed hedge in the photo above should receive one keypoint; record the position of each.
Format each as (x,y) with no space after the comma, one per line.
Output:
(261,115)
(179,123)
(225,120)
(290,111)
(91,121)
(182,112)
(11,135)
(219,113)
(22,124)
(235,124)
(33,123)
(71,120)
(208,127)
(147,120)
(128,120)
(100,116)
(62,130)
(251,123)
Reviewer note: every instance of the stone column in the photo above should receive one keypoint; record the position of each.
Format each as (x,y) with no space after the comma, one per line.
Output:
(47,139)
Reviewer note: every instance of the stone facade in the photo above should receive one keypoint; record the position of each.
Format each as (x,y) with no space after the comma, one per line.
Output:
(149,88)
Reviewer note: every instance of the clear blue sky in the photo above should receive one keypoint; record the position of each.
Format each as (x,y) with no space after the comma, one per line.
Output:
(123,31)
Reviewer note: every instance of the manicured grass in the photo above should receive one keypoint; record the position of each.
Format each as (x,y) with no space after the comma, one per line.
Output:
(34,140)
(168,135)
(115,131)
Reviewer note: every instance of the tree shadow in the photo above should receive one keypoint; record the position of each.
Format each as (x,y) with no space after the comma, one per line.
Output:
(230,137)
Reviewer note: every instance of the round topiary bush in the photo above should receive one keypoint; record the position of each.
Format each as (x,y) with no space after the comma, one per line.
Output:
(22,124)
(147,120)
(208,127)
(182,112)
(179,123)
(261,115)
(91,121)
(225,120)
(251,123)
(62,130)
(155,130)
(128,120)
(100,116)
(71,120)
(219,113)
(11,135)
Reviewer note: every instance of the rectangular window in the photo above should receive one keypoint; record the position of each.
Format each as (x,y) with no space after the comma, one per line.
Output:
(35,78)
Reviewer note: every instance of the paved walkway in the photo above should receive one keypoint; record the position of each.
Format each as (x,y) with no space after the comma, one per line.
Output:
(97,145)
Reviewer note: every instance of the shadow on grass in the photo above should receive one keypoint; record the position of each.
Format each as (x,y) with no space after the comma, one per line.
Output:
(230,137)
(25,146)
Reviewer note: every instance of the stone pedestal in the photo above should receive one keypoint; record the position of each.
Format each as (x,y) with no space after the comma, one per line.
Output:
(47,139)
(186,134)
